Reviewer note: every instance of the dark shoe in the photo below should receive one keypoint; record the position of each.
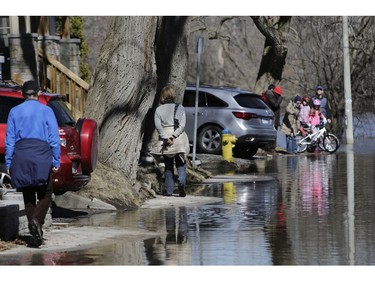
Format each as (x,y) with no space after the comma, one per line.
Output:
(32,243)
(182,191)
(36,232)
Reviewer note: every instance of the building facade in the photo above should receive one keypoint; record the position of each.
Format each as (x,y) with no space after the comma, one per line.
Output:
(25,41)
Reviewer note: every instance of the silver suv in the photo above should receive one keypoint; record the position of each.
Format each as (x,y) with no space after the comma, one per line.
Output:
(242,112)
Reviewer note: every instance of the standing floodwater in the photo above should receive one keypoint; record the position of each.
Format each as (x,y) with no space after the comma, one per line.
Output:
(317,209)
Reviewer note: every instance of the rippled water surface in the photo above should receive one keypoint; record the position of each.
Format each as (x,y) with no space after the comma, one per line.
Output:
(318,209)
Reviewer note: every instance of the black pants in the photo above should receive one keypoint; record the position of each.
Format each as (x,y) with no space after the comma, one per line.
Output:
(38,210)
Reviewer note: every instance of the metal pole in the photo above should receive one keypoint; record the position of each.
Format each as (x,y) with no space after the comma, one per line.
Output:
(347,84)
(199,52)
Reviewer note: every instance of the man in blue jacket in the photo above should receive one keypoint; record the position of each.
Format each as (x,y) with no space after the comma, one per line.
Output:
(32,146)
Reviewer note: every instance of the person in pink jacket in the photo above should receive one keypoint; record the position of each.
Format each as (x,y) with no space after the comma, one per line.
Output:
(316,117)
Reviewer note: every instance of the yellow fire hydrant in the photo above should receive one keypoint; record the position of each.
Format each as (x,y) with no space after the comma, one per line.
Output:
(228,141)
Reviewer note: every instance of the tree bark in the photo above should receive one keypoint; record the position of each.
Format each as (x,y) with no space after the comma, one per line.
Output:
(272,64)
(130,70)
(123,89)
(171,58)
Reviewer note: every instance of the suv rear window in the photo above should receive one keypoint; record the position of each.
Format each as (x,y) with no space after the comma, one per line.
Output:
(205,99)
(250,101)
(6,104)
(62,112)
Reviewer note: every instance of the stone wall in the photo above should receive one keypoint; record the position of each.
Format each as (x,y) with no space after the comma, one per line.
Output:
(70,54)
(23,57)
(23,49)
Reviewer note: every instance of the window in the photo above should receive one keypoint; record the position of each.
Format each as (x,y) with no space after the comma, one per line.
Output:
(250,101)
(4,25)
(6,104)
(213,101)
(189,99)
(205,100)
(62,113)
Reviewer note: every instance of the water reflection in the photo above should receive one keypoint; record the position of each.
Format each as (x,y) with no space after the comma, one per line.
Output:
(351,225)
(167,248)
(317,210)
(314,184)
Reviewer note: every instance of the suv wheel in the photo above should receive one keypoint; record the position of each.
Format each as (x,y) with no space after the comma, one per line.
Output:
(209,139)
(88,131)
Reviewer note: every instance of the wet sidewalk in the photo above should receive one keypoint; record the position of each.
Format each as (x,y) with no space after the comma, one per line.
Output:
(13,221)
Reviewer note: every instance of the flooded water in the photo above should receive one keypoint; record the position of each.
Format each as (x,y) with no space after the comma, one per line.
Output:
(318,209)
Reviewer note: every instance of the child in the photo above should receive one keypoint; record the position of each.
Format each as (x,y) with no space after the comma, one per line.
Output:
(315,117)
(304,112)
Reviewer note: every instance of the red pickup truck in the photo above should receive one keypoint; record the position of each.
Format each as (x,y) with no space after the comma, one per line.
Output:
(79,139)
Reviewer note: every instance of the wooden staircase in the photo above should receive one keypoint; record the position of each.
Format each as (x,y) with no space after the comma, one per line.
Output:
(56,78)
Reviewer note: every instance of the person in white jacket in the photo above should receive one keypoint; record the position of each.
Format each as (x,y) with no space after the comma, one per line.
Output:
(173,142)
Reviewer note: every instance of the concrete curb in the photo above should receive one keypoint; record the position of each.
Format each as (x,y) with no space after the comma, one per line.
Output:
(70,200)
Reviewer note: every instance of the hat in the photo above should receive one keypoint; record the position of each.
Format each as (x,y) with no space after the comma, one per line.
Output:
(30,88)
(297,99)
(278,90)
(319,88)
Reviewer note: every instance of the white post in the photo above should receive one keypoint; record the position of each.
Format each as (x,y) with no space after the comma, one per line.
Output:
(14,25)
(28,24)
(347,84)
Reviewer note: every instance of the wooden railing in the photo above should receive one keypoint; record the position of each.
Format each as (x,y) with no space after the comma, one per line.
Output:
(56,78)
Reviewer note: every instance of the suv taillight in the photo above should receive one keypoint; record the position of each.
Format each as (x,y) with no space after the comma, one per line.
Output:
(62,138)
(244,115)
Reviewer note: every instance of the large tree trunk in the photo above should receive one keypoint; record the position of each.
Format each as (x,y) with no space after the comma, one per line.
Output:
(123,89)
(271,68)
(125,83)
(171,58)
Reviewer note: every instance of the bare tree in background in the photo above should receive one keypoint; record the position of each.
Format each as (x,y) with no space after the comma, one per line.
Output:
(318,60)
(234,54)
(314,57)
(230,54)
